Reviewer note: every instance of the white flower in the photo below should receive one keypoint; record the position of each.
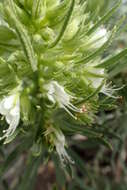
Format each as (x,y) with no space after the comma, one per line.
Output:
(57,94)
(10,108)
(58,141)
(109,90)
(96,77)
(98,38)
(97,81)
(106,89)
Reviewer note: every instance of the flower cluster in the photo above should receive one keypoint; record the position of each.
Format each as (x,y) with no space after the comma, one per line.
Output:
(52,48)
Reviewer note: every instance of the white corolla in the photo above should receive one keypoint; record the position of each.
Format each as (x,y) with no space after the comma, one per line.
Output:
(99,38)
(97,79)
(57,94)
(10,109)
(60,143)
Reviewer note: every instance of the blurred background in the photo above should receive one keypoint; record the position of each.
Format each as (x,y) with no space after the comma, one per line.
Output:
(97,167)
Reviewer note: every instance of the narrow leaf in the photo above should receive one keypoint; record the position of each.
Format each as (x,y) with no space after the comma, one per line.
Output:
(104,18)
(31,172)
(23,36)
(66,21)
(113,59)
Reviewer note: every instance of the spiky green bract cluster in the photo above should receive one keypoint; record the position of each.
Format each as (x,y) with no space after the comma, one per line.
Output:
(51,70)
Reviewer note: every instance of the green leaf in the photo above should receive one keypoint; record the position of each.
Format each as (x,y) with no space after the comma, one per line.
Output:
(92,94)
(22,34)
(8,78)
(36,8)
(103,141)
(79,162)
(117,69)
(6,34)
(29,176)
(60,175)
(104,18)
(112,60)
(56,15)
(75,128)
(66,21)
(8,40)
(107,132)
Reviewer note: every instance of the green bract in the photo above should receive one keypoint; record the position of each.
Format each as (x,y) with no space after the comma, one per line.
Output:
(52,57)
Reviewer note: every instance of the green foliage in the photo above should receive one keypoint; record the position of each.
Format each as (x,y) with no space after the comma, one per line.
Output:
(53,72)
